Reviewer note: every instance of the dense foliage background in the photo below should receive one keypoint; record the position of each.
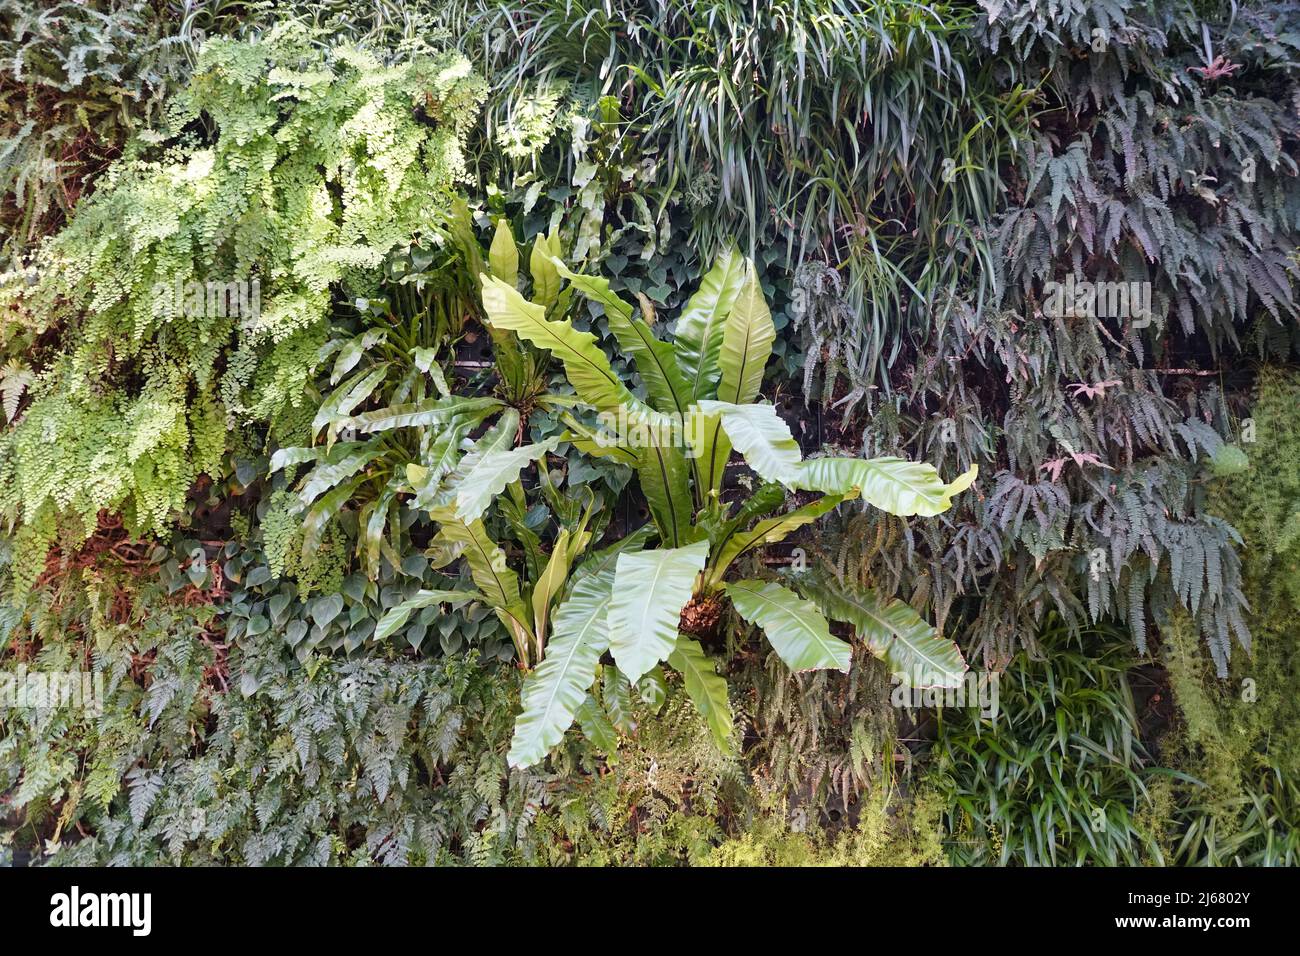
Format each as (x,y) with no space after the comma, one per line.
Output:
(192,514)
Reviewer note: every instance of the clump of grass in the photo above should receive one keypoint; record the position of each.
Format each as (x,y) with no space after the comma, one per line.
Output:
(1058,775)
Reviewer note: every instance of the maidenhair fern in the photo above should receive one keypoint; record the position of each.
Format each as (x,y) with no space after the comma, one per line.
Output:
(287,173)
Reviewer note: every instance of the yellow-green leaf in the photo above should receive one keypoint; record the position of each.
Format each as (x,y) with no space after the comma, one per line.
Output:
(706,689)
(760,435)
(650,590)
(894,632)
(553,693)
(793,625)
(895,485)
(697,337)
(503,255)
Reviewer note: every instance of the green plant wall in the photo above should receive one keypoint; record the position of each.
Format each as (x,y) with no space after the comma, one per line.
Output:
(239,521)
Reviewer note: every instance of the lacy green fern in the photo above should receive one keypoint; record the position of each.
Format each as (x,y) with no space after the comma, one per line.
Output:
(195,286)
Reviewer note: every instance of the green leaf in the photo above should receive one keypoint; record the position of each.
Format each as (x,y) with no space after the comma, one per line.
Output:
(371,520)
(581,537)
(697,337)
(705,688)
(503,254)
(335,410)
(441,454)
(768,531)
(600,444)
(426,360)
(616,695)
(895,485)
(664,476)
(746,346)
(513,507)
(585,365)
(793,625)
(491,472)
(499,437)
(435,411)
(487,562)
(313,525)
(746,343)
(653,689)
(761,435)
(326,608)
(343,461)
(710,451)
(285,457)
(650,590)
(395,618)
(549,583)
(769,496)
(606,559)
(894,632)
(597,728)
(553,693)
(16,376)
(541,265)
(352,351)
(655,360)
(460,226)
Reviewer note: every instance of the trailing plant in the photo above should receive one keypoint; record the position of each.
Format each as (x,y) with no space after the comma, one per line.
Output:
(866,137)
(194,286)
(78,80)
(1099,432)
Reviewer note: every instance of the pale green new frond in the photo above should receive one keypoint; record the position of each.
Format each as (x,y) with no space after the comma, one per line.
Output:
(554,692)
(895,485)
(706,689)
(793,626)
(650,590)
